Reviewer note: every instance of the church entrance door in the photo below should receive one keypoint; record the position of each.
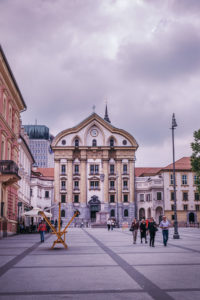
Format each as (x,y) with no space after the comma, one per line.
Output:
(95,206)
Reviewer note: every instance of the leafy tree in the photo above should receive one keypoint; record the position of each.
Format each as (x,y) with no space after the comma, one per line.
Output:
(195,158)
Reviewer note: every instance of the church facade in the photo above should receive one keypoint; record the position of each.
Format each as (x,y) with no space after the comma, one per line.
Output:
(94,171)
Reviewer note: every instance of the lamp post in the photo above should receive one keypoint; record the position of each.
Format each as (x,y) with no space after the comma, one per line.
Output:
(117,221)
(176,235)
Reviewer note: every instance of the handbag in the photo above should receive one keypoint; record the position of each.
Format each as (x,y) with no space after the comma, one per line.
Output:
(131,228)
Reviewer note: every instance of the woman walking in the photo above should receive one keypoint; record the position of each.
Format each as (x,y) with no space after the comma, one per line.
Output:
(152,227)
(134,229)
(143,230)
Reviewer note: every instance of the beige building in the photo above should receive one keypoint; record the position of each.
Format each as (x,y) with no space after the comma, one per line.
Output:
(188,201)
(94,171)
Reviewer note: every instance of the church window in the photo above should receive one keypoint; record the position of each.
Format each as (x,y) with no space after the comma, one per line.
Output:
(125,198)
(111,142)
(76,198)
(112,213)
(112,169)
(94,143)
(126,213)
(62,213)
(76,143)
(112,198)
(63,198)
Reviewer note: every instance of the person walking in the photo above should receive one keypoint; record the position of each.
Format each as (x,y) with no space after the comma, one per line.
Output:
(42,228)
(108,224)
(152,227)
(134,228)
(143,231)
(164,224)
(112,224)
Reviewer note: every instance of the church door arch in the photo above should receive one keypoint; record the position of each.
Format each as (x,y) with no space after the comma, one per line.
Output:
(142,213)
(191,217)
(95,206)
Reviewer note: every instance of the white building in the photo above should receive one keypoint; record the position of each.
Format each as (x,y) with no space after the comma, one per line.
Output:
(150,193)
(25,164)
(42,187)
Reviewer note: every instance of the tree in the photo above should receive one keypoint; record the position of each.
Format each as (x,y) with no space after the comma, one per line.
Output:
(195,158)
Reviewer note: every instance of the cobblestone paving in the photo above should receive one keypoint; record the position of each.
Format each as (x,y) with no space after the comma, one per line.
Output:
(100,265)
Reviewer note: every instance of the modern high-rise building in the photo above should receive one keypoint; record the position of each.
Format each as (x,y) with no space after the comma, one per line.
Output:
(40,145)
(94,171)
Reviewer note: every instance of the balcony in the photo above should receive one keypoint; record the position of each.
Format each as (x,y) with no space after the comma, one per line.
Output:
(9,172)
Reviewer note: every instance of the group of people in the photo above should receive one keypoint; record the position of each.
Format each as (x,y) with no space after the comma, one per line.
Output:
(111,223)
(150,227)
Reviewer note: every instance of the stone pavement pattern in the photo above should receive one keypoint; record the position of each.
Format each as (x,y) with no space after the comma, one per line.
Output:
(100,265)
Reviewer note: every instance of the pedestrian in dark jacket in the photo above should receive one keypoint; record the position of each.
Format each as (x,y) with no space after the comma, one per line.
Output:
(152,231)
(134,229)
(143,230)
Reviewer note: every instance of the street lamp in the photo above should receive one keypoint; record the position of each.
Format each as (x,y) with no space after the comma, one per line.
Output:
(117,221)
(176,235)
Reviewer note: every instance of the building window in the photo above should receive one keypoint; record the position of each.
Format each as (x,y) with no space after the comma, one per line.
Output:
(76,185)
(94,169)
(125,169)
(196,179)
(141,197)
(184,179)
(173,218)
(172,207)
(126,213)
(125,184)
(112,184)
(76,169)
(76,143)
(76,198)
(112,198)
(159,196)
(125,198)
(63,213)
(148,197)
(112,143)
(94,185)
(112,169)
(185,196)
(63,185)
(63,198)
(185,207)
(197,207)
(172,196)
(171,179)
(63,169)
(112,213)
(46,194)
(94,143)
(196,196)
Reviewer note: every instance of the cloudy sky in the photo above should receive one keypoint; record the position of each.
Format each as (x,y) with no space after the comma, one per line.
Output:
(142,56)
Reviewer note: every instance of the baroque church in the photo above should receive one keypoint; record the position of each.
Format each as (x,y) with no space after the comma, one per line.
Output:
(95,171)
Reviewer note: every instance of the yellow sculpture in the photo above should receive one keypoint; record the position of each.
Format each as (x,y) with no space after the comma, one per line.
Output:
(60,232)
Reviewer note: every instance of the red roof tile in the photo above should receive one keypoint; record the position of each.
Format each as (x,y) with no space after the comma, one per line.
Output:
(46,172)
(181,164)
(146,171)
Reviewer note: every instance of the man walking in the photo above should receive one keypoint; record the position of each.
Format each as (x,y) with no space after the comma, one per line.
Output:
(42,228)
(152,227)
(164,225)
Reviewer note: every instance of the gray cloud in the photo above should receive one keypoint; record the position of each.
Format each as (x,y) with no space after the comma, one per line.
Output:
(69,55)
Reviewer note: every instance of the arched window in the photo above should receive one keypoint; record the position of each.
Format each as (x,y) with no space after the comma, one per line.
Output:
(76,142)
(62,213)
(126,213)
(112,213)
(94,143)
(112,142)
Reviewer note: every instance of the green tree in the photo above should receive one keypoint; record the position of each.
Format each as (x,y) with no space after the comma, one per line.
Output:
(195,158)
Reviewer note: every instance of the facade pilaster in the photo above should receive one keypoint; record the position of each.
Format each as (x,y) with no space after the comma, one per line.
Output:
(57,181)
(69,182)
(106,181)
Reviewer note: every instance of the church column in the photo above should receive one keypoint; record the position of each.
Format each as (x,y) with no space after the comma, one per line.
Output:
(105,168)
(69,189)
(119,190)
(83,190)
(57,182)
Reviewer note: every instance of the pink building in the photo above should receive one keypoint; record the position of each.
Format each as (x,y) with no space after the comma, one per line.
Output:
(11,105)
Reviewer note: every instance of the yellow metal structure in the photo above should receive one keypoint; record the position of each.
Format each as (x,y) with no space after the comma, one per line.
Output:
(59,233)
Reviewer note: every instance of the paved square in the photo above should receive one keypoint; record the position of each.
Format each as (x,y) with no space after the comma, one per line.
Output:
(100,265)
